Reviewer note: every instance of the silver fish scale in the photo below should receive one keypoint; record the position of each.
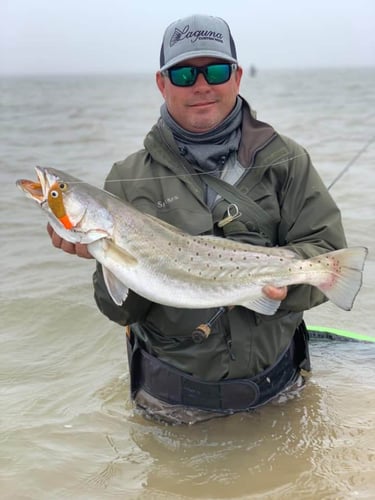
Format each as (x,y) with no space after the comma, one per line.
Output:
(203,257)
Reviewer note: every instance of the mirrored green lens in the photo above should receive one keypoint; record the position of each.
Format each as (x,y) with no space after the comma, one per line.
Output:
(186,76)
(217,73)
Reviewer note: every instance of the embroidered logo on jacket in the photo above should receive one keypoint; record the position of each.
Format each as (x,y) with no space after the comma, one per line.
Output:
(165,203)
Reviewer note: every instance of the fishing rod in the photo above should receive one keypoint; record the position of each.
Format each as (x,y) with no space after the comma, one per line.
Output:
(202,332)
(322,332)
(351,162)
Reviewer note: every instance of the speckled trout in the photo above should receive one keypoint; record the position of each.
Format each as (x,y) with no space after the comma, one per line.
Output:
(168,266)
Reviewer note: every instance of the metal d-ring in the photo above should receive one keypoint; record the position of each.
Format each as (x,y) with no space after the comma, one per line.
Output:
(232,213)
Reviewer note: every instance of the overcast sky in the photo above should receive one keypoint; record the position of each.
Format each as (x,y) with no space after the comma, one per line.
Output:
(70,36)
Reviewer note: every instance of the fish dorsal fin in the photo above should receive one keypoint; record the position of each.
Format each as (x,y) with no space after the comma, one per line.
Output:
(263,305)
(117,290)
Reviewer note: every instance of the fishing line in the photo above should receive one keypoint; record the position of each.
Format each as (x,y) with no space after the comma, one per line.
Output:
(279,163)
(351,162)
(192,174)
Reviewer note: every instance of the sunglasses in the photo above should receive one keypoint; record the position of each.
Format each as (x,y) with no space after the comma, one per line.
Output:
(186,76)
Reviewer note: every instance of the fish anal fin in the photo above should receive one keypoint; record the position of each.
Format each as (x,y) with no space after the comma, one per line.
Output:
(263,305)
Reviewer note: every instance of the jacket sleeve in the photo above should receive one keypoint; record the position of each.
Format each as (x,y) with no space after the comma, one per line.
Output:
(310,223)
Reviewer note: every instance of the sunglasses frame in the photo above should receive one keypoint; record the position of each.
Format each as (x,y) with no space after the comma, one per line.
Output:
(200,69)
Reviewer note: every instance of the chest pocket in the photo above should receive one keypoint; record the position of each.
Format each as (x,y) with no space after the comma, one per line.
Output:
(254,225)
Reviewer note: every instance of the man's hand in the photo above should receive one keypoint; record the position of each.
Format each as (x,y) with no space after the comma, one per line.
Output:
(72,248)
(272,292)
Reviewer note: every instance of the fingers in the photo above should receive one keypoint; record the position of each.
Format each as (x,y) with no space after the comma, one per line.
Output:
(275,293)
(82,251)
(73,248)
(49,229)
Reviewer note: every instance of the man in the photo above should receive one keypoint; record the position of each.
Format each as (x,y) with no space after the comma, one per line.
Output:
(209,167)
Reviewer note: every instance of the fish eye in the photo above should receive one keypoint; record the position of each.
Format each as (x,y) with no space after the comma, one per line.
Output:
(63,186)
(54,194)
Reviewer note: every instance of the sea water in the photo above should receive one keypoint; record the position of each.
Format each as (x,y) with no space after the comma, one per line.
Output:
(67,425)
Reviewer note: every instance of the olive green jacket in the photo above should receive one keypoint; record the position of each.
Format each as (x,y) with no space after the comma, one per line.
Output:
(281,179)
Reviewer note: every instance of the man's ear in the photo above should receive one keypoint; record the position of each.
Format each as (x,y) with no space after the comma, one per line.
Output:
(239,72)
(160,82)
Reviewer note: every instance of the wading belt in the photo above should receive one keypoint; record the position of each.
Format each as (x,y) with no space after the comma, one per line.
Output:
(175,387)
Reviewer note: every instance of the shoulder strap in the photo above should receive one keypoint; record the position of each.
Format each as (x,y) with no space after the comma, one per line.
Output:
(246,205)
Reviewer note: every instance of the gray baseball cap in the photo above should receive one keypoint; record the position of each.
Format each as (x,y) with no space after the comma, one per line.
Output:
(196,36)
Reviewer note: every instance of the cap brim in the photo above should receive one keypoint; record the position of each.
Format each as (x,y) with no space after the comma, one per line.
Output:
(195,54)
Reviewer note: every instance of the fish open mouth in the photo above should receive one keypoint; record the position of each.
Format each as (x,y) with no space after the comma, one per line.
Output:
(38,191)
(31,188)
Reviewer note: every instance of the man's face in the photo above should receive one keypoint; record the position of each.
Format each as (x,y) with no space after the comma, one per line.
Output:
(202,106)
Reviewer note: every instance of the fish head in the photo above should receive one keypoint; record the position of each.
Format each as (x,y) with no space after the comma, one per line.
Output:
(73,207)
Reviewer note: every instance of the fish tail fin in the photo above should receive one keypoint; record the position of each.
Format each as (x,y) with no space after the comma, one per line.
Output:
(345,277)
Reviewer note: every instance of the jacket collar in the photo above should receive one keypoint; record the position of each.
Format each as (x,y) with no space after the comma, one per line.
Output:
(255,134)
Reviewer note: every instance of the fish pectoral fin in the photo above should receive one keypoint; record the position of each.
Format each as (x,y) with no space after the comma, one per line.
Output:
(119,255)
(263,305)
(116,289)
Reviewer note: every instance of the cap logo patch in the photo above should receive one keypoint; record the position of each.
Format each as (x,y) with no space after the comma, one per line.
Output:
(193,36)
